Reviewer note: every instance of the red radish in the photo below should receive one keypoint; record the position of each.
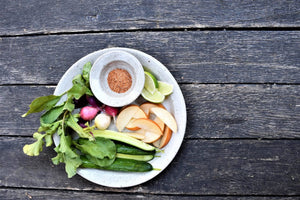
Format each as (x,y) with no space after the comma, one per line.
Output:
(112,111)
(93,102)
(88,112)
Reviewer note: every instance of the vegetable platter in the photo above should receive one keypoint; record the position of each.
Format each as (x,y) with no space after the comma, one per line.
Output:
(76,82)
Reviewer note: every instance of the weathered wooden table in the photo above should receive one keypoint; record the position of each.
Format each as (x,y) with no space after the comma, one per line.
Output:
(237,63)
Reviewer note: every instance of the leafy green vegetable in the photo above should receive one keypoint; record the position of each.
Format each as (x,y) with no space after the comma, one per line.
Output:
(82,132)
(79,88)
(65,154)
(49,128)
(101,152)
(71,165)
(42,103)
(51,115)
(86,73)
(58,118)
(104,162)
(34,148)
(100,148)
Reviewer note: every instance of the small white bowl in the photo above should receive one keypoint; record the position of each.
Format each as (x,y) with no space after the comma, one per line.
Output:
(105,64)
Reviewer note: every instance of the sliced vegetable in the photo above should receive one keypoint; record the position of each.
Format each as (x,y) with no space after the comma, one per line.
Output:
(120,164)
(118,136)
(127,149)
(135,157)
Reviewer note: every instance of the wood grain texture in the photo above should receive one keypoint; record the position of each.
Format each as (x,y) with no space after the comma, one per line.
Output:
(58,16)
(192,57)
(214,111)
(202,167)
(243,111)
(10,194)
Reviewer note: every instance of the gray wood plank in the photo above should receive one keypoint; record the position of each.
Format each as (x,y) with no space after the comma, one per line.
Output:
(243,111)
(13,194)
(25,17)
(214,111)
(202,167)
(192,57)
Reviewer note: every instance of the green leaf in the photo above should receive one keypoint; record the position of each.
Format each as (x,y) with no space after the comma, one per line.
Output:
(42,103)
(51,115)
(83,133)
(104,162)
(49,129)
(65,146)
(79,88)
(86,73)
(100,148)
(35,148)
(69,105)
(59,158)
(48,139)
(71,165)
(66,155)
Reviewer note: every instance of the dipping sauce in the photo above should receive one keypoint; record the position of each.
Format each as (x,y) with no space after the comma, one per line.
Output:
(119,80)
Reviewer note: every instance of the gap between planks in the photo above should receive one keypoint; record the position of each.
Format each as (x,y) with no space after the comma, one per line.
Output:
(191,138)
(181,83)
(135,193)
(76,32)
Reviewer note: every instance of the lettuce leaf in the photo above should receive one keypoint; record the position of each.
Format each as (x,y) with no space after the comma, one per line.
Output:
(34,148)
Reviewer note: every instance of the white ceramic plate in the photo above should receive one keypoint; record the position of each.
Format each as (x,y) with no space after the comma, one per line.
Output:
(174,103)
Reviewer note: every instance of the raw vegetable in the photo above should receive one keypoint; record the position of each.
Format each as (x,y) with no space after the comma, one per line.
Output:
(112,111)
(126,149)
(88,113)
(119,164)
(56,119)
(102,121)
(81,102)
(118,136)
(93,102)
(135,157)
(42,103)
(99,150)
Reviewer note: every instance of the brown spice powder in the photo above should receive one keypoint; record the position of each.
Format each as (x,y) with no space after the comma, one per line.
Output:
(119,80)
